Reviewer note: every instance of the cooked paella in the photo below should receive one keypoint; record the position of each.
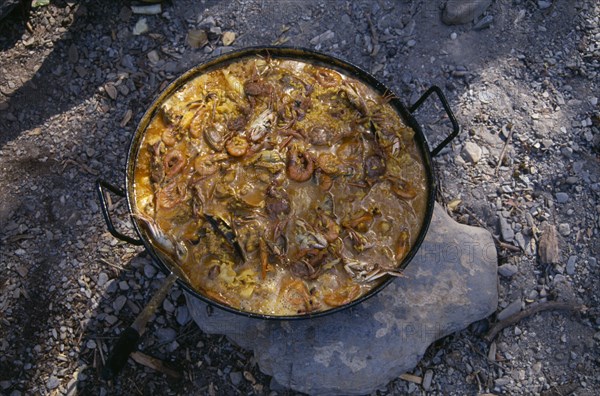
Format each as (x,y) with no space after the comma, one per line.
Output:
(280,187)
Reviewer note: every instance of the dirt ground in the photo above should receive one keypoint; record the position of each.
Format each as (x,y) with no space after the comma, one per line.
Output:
(75,80)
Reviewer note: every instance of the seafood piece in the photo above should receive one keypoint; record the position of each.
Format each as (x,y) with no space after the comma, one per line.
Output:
(362,222)
(171,195)
(374,166)
(237,146)
(157,172)
(360,242)
(215,136)
(257,88)
(173,162)
(327,225)
(307,238)
(402,188)
(270,160)
(364,272)
(234,83)
(300,165)
(277,202)
(402,245)
(207,165)
(330,164)
(261,125)
(225,230)
(342,295)
(176,252)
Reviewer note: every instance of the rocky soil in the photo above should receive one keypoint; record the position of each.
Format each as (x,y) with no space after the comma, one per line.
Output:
(75,77)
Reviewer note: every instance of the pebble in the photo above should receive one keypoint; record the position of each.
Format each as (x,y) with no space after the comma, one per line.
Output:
(235,377)
(458,12)
(511,309)
(427,380)
(149,270)
(102,279)
(484,23)
(453,36)
(507,270)
(471,152)
(543,4)
(166,335)
(91,344)
(508,235)
(571,265)
(168,306)
(182,315)
(321,38)
(119,303)
(123,285)
(562,197)
(52,383)
(564,229)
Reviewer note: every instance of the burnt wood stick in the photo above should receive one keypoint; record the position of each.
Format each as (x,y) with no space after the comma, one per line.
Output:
(128,340)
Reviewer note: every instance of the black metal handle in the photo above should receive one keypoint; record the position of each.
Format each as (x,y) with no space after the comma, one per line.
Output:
(101,186)
(126,344)
(455,127)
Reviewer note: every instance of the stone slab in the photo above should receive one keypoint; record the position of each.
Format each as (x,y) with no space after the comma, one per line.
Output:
(450,283)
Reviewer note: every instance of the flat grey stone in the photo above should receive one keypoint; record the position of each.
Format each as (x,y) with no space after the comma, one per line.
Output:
(458,12)
(511,309)
(507,270)
(506,230)
(571,265)
(471,152)
(451,282)
(562,197)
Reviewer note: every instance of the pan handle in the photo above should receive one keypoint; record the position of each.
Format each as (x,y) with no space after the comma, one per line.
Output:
(455,127)
(101,187)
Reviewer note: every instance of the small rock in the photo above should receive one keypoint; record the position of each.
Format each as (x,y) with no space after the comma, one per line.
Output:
(543,4)
(73,54)
(458,12)
(484,23)
(149,270)
(559,278)
(503,381)
(511,309)
(102,279)
(548,248)
(427,380)
(506,230)
(197,38)
(111,319)
(507,270)
(166,335)
(564,229)
(119,303)
(168,305)
(235,377)
(153,56)
(228,38)
(123,285)
(571,265)
(453,36)
(328,35)
(52,383)
(140,27)
(562,197)
(111,91)
(182,316)
(471,152)
(91,344)
(518,331)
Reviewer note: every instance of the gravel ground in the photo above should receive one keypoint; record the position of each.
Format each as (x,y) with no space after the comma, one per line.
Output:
(75,79)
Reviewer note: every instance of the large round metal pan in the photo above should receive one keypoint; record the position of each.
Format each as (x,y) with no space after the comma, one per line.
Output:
(303,55)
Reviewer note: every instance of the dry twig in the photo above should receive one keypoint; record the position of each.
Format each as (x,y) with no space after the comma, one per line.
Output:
(529,311)
(155,364)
